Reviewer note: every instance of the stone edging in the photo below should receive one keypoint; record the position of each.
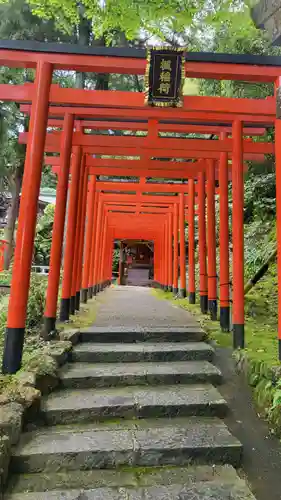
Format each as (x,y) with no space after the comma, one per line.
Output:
(21,401)
(264,381)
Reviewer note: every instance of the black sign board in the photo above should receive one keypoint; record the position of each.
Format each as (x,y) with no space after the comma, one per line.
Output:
(164,77)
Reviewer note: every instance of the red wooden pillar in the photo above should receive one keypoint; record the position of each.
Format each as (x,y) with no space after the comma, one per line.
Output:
(88,243)
(97,248)
(170,252)
(203,284)
(70,234)
(278,222)
(162,258)
(14,337)
(224,241)
(165,257)
(104,251)
(191,241)
(58,227)
(182,291)
(238,235)
(82,234)
(77,239)
(211,246)
(176,250)
(93,247)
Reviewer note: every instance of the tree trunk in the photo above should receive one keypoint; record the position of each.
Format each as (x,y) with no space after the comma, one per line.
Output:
(260,273)
(12,217)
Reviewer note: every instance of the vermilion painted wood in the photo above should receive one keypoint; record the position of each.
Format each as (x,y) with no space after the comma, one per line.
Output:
(182,243)
(59,220)
(131,65)
(238,235)
(176,247)
(71,224)
(119,99)
(224,233)
(162,127)
(157,113)
(29,200)
(203,285)
(191,237)
(138,144)
(211,239)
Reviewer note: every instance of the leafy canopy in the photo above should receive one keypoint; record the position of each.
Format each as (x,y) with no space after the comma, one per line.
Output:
(133,17)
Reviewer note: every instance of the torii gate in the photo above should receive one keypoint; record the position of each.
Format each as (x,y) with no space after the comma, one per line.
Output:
(49,102)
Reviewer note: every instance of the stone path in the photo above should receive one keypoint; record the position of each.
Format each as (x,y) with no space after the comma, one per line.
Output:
(137,416)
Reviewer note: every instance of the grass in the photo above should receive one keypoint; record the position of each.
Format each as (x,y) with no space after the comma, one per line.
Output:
(259,359)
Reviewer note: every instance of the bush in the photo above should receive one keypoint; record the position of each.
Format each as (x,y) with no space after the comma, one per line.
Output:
(36,302)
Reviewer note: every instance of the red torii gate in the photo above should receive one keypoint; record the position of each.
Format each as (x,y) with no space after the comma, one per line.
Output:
(71,103)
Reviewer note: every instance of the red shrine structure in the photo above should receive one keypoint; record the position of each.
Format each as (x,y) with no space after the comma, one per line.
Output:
(99,212)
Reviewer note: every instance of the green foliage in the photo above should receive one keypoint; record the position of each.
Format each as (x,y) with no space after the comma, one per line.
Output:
(43,237)
(115,262)
(49,179)
(167,20)
(36,302)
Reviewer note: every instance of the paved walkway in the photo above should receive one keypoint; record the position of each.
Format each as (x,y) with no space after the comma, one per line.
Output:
(137,306)
(137,415)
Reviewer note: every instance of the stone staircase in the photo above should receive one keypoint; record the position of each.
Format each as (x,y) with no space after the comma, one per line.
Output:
(137,417)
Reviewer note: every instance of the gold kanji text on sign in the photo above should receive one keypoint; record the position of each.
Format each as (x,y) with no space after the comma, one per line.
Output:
(165,65)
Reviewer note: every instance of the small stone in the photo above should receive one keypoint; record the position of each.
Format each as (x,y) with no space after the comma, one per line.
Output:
(70,335)
(27,379)
(11,421)
(24,395)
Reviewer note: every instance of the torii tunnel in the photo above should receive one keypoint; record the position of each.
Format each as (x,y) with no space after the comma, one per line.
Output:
(72,129)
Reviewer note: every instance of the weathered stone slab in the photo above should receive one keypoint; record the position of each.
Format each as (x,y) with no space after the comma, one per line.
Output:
(202,441)
(136,333)
(199,440)
(135,402)
(198,491)
(84,375)
(147,351)
(52,452)
(72,480)
(125,479)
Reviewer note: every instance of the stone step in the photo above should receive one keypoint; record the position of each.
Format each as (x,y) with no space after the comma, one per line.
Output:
(137,334)
(148,351)
(220,483)
(130,478)
(84,405)
(86,375)
(146,443)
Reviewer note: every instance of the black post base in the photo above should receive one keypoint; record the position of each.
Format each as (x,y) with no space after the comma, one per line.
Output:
(175,291)
(84,295)
(14,338)
(204,304)
(165,288)
(213,309)
(90,292)
(225,318)
(77,301)
(191,298)
(48,327)
(64,309)
(279,349)
(94,290)
(72,304)
(238,336)
(182,293)
(170,288)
